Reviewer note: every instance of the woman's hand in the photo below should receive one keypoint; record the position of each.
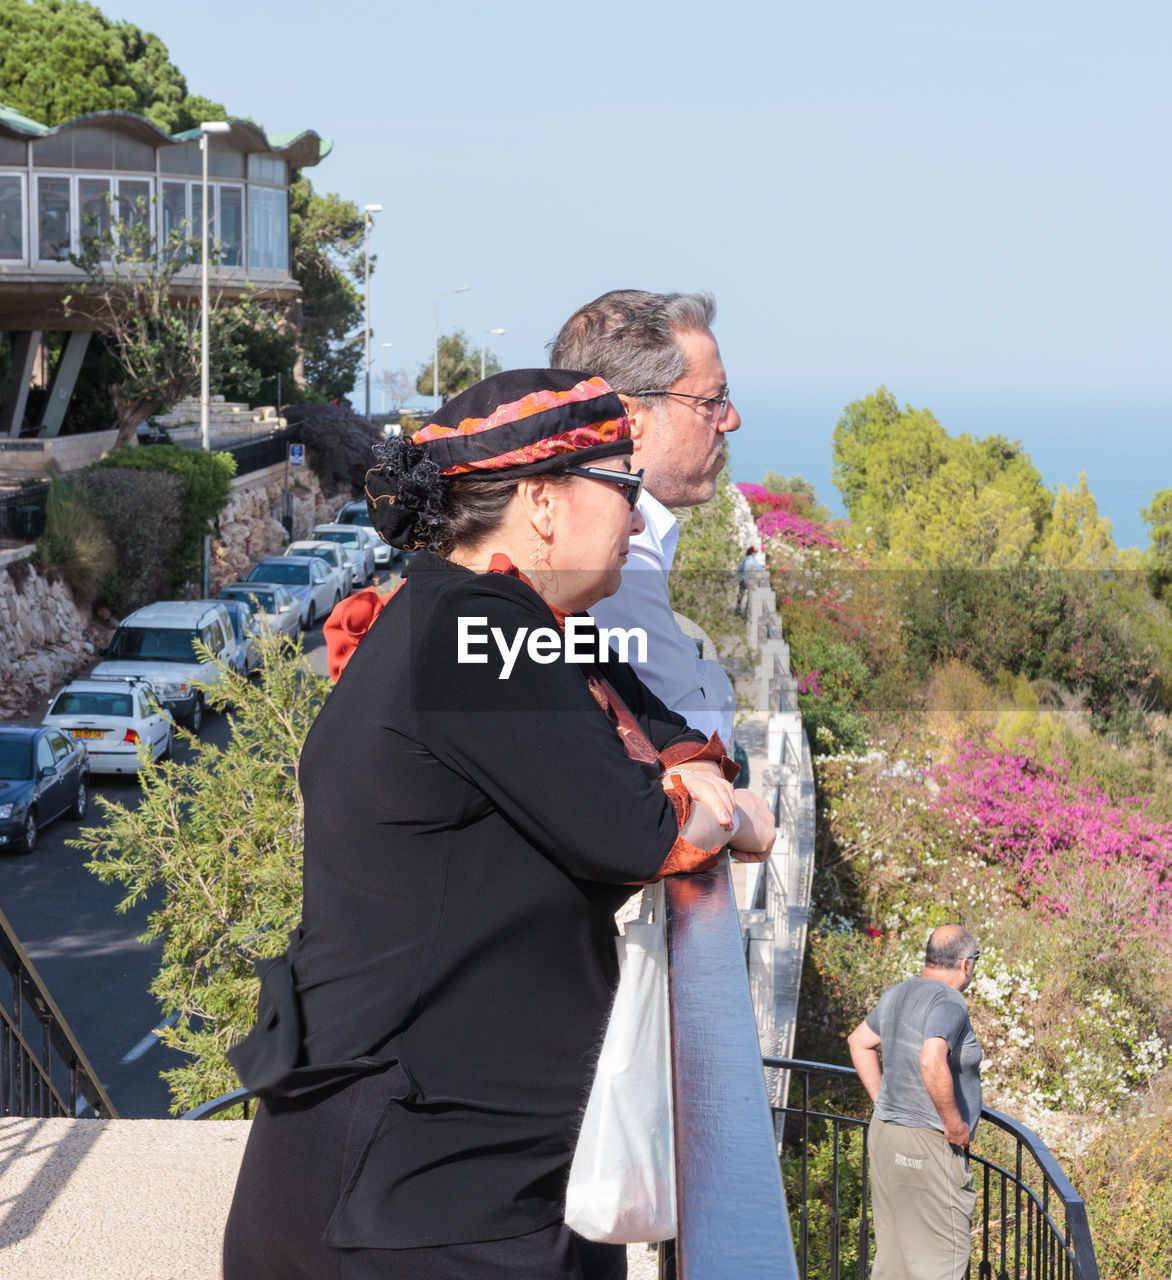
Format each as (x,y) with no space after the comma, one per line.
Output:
(706,786)
(756,832)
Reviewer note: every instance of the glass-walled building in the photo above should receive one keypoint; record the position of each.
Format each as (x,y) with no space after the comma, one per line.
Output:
(59,187)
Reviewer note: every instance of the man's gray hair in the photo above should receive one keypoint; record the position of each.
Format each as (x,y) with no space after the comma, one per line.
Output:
(628,337)
(948,946)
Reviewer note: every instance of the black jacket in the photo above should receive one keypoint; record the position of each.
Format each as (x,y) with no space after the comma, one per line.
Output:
(467,842)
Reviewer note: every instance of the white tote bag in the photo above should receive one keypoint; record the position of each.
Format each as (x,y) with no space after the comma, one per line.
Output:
(622,1179)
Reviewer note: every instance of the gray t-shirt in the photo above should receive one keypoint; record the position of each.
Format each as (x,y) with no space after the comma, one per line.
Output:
(907,1015)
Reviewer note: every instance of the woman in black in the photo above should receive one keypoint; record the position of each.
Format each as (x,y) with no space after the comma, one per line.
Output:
(479,801)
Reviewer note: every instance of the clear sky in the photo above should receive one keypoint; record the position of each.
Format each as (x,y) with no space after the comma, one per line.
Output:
(970,204)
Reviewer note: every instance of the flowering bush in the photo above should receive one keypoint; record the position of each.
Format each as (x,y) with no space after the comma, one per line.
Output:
(1055,835)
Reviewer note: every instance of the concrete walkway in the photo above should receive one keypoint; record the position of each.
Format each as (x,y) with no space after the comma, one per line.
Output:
(128,1199)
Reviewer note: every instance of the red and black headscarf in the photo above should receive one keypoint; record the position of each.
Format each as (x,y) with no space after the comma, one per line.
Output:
(514,424)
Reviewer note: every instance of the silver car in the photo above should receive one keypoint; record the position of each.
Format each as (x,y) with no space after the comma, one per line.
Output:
(318,588)
(270,603)
(358,513)
(334,555)
(118,719)
(357,541)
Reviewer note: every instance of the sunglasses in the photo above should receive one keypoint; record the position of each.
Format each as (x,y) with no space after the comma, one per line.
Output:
(630,482)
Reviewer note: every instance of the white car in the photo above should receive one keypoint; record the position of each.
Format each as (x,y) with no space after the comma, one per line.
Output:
(318,588)
(271,604)
(359,513)
(357,541)
(118,719)
(334,555)
(157,643)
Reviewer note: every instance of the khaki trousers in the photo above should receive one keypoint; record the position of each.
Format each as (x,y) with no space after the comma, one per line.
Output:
(923,1201)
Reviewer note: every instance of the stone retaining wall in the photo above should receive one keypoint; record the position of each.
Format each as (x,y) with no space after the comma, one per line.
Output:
(42,630)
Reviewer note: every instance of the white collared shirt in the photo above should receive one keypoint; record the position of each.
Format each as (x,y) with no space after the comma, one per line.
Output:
(695,687)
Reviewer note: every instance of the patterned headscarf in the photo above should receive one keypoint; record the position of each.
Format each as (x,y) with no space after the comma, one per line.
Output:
(514,424)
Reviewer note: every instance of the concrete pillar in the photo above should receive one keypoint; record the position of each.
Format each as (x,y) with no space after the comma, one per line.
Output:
(62,383)
(24,355)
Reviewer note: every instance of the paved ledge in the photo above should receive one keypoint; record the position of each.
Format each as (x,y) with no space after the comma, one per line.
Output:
(128,1199)
(116,1199)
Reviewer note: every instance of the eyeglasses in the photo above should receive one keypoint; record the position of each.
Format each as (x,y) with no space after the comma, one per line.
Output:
(720,401)
(976,955)
(630,482)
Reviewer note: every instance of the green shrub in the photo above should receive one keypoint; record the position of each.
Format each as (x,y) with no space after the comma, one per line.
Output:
(703,580)
(141,514)
(219,840)
(74,542)
(207,484)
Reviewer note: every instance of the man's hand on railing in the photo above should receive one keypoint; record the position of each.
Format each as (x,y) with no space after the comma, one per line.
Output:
(755,833)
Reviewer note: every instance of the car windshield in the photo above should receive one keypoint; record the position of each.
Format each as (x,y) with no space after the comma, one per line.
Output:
(264,599)
(275,571)
(344,539)
(328,554)
(78,702)
(16,759)
(358,514)
(159,644)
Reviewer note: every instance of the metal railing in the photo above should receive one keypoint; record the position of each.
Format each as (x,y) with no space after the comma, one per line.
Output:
(22,513)
(54,1078)
(1029,1223)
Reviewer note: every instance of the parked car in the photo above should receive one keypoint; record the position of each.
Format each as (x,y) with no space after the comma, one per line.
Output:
(334,555)
(157,643)
(317,587)
(43,774)
(357,541)
(270,604)
(119,720)
(247,651)
(358,513)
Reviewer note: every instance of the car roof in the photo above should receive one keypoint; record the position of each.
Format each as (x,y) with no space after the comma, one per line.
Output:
(92,684)
(172,613)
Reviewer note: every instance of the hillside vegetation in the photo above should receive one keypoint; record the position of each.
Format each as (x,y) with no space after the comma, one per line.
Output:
(985,680)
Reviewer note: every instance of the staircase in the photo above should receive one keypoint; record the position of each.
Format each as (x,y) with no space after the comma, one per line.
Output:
(226,420)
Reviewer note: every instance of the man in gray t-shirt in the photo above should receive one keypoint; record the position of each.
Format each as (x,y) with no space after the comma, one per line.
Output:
(927,1094)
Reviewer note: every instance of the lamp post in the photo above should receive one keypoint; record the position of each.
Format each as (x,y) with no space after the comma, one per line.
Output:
(435,361)
(206,128)
(367,210)
(384,399)
(484,348)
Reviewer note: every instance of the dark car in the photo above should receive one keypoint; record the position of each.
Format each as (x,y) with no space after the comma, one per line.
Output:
(42,775)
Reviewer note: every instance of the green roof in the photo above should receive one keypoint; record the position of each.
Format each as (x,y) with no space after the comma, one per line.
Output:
(301,150)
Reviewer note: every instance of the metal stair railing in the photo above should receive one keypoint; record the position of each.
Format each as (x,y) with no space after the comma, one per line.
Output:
(56,1078)
(1030,1221)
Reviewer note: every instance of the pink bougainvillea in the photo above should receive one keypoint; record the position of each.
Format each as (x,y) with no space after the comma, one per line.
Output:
(1051,831)
(786,516)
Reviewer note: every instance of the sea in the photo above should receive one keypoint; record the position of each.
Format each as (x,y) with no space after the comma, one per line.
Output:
(1121,438)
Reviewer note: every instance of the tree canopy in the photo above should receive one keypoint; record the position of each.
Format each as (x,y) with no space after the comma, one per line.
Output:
(459,367)
(63,58)
(932,499)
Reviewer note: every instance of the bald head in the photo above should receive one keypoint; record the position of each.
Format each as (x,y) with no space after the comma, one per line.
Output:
(948,946)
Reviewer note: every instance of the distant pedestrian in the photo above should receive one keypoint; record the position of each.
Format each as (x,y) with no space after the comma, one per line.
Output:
(927,1095)
(750,561)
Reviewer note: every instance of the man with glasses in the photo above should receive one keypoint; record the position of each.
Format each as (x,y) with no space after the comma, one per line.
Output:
(927,1095)
(657,351)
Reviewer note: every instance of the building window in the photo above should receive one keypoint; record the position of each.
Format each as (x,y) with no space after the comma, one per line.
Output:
(230,231)
(54,222)
(12,217)
(93,199)
(175,220)
(134,209)
(268,229)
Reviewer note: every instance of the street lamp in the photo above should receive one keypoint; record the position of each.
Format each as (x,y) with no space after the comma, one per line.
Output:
(384,399)
(435,362)
(484,348)
(207,127)
(367,210)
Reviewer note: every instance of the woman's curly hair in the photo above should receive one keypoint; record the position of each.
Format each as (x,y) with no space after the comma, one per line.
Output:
(413,506)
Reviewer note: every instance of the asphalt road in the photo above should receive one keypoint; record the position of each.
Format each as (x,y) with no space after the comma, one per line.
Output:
(88,955)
